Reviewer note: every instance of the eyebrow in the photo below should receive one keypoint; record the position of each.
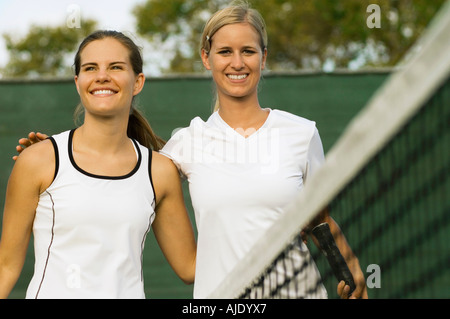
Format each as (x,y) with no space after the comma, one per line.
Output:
(243,47)
(95,63)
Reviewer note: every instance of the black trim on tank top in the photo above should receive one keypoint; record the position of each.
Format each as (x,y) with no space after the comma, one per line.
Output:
(135,169)
(55,148)
(150,157)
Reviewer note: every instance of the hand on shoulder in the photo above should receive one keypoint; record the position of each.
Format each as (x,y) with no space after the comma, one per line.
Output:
(25,142)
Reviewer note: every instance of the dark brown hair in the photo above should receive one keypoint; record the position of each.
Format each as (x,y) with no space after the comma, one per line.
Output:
(138,126)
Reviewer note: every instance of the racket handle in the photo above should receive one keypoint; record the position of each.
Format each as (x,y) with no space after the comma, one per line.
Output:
(331,251)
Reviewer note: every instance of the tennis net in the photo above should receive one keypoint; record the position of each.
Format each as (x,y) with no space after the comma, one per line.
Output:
(385,182)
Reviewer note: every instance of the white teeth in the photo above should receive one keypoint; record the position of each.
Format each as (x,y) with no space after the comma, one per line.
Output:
(237,77)
(99,92)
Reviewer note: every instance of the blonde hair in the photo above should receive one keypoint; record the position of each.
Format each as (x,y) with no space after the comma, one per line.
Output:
(138,127)
(237,12)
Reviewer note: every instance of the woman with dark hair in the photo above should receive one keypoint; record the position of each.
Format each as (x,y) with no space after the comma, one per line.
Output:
(90,195)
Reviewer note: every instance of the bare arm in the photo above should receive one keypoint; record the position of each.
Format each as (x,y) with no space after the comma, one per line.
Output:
(29,177)
(172,226)
(352,263)
(349,256)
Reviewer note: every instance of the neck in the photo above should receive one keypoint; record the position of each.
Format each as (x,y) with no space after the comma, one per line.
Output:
(242,114)
(101,136)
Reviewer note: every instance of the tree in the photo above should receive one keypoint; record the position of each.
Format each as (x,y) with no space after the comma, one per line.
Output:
(176,25)
(44,51)
(302,34)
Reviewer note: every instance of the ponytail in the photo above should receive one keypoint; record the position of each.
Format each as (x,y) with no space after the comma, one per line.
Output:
(216,104)
(139,129)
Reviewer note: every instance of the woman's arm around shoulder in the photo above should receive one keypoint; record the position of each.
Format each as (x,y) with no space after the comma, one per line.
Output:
(32,173)
(172,226)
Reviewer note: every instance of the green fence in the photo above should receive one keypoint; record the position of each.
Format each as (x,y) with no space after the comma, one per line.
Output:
(330,99)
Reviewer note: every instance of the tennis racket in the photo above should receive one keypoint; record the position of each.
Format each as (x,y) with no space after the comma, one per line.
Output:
(331,251)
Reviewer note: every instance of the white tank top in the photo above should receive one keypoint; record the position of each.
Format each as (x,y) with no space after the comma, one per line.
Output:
(89,230)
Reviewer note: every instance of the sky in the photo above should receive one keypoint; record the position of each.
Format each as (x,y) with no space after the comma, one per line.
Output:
(16,17)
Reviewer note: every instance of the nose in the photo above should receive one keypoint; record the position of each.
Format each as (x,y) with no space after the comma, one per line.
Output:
(102,76)
(237,61)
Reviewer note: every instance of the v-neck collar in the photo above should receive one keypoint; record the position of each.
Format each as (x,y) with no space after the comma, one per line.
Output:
(224,124)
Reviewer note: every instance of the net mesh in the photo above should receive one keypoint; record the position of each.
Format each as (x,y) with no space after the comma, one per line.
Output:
(386,183)
(287,276)
(396,212)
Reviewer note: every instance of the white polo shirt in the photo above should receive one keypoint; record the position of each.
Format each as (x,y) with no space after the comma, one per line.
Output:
(240,186)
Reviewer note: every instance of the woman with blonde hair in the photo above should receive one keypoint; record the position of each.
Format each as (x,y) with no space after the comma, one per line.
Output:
(246,163)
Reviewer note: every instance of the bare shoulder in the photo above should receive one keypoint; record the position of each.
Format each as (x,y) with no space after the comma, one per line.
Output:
(164,174)
(163,167)
(38,152)
(37,162)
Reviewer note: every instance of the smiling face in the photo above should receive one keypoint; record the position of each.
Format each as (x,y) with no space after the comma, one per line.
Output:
(236,60)
(106,81)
